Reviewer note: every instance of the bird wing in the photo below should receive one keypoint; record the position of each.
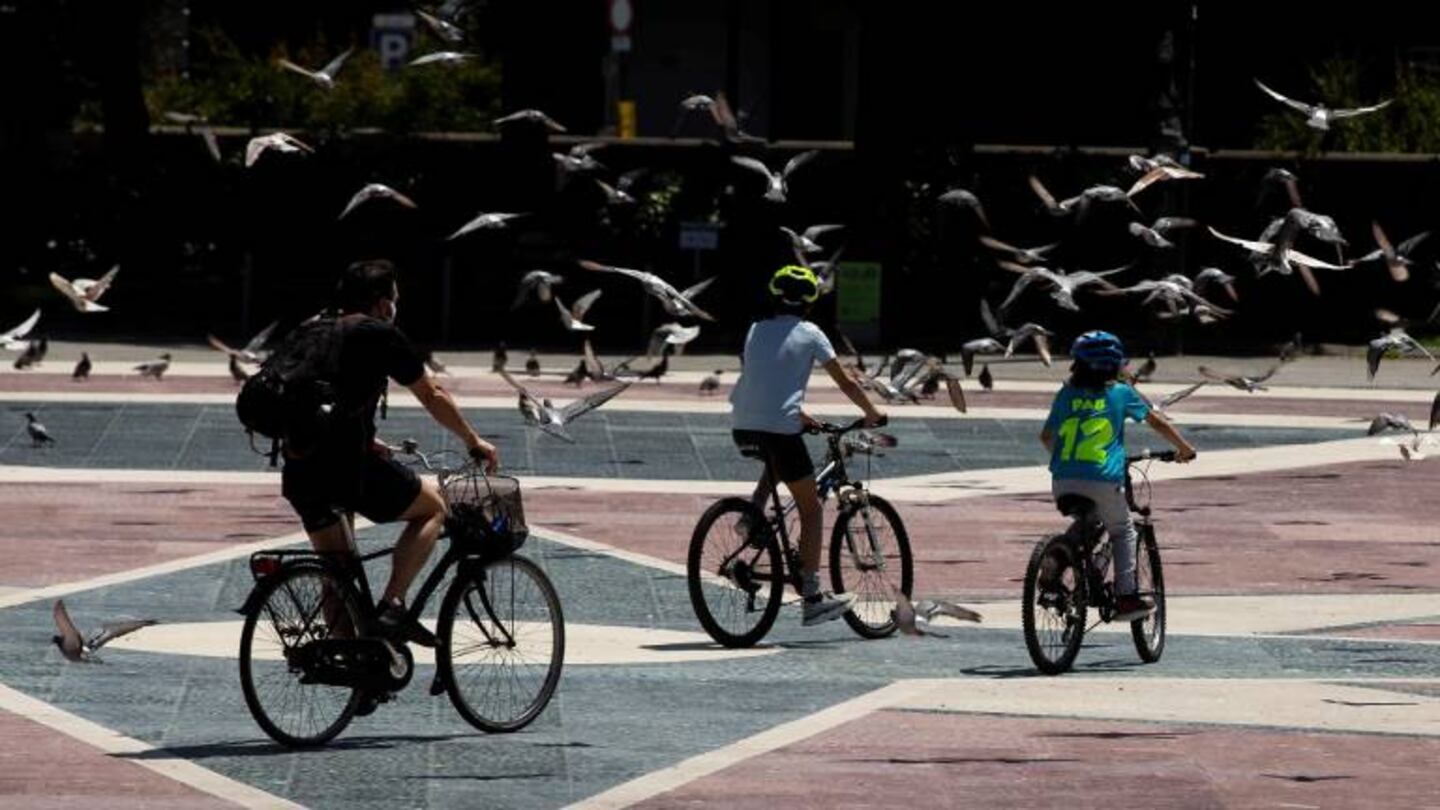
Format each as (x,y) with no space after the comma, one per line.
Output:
(110,632)
(816,231)
(70,639)
(931,608)
(219,345)
(799,160)
(1171,399)
(505,375)
(333,67)
(1351,112)
(1410,244)
(445,30)
(1146,180)
(23,329)
(1299,258)
(988,318)
(584,405)
(1042,348)
(639,275)
(571,322)
(1019,287)
(1254,247)
(582,304)
(957,394)
(258,342)
(288,65)
(592,363)
(1205,371)
(1045,196)
(98,288)
(695,289)
(1299,105)
(66,288)
(1373,354)
(212,145)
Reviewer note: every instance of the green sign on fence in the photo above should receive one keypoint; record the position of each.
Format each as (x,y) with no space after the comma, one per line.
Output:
(857,290)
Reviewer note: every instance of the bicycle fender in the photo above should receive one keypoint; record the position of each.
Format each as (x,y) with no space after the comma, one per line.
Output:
(252,600)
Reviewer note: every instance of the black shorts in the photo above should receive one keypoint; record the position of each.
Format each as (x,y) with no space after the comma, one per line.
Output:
(786,452)
(379,488)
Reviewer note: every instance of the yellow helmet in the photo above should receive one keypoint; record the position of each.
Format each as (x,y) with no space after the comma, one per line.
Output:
(795,284)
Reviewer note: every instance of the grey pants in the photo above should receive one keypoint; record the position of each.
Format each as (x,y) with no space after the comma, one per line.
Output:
(1112,510)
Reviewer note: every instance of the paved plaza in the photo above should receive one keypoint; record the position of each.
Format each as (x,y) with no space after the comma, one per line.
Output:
(1302,667)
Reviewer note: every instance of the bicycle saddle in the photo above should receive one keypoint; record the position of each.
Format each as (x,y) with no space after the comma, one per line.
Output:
(1071,505)
(752,451)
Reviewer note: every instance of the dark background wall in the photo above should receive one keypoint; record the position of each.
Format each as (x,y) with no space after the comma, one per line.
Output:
(914,86)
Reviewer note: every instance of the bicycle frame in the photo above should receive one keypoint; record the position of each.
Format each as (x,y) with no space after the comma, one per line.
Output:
(1088,536)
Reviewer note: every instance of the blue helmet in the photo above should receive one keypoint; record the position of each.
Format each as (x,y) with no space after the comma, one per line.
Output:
(1100,351)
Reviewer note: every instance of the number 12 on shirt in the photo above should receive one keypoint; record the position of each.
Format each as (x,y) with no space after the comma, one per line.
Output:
(1093,434)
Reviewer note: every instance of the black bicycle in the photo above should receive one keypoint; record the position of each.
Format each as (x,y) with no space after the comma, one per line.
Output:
(1069,573)
(309,652)
(740,557)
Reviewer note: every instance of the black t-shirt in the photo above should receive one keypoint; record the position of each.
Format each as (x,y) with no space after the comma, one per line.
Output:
(372,351)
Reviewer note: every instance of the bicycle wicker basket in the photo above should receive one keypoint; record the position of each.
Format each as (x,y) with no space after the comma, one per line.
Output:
(487,517)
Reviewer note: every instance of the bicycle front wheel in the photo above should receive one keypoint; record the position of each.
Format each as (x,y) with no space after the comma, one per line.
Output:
(1149,632)
(870,557)
(502,644)
(1053,612)
(734,573)
(297,607)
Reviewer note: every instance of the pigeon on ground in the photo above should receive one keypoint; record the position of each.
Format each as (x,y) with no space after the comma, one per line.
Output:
(1389,421)
(33,354)
(499,358)
(711,382)
(39,436)
(155,368)
(82,368)
(985,379)
(532,364)
(77,648)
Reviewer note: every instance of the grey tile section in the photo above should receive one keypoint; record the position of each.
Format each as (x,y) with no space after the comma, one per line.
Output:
(619,444)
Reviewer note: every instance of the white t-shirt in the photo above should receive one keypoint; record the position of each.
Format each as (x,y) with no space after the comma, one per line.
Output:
(779,354)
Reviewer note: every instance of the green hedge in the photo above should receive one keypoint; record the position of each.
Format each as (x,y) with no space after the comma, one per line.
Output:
(228,87)
(1410,124)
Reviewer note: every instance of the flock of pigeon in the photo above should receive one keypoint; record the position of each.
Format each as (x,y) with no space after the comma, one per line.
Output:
(904,376)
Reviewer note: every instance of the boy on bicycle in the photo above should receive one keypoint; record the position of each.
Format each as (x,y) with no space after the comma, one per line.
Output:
(768,413)
(1088,417)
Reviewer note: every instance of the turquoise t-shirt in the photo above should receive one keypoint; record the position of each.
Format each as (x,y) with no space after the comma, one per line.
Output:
(1089,430)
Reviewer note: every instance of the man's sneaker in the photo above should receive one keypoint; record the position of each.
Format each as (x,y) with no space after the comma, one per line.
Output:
(825,607)
(396,624)
(1131,607)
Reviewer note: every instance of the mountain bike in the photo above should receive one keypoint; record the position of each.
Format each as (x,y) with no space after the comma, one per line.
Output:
(1070,573)
(741,557)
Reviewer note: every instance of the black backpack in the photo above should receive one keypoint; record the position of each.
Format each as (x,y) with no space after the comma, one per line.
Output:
(293,396)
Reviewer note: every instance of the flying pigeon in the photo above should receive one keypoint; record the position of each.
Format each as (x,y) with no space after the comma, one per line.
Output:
(79,649)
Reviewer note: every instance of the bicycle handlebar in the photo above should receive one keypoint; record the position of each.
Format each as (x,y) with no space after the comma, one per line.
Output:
(1147,454)
(411,448)
(833,429)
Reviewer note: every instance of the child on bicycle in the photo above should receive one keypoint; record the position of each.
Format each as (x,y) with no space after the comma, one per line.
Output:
(1088,419)
(768,413)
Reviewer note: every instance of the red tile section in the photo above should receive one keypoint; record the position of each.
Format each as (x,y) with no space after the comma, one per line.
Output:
(1364,527)
(63,532)
(42,768)
(915,760)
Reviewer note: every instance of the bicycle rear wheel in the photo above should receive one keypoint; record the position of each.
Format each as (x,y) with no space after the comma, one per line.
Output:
(734,573)
(502,644)
(870,557)
(300,605)
(1053,611)
(1149,632)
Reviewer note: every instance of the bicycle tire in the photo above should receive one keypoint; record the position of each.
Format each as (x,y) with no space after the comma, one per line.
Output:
(735,590)
(1149,632)
(1068,623)
(271,720)
(872,615)
(500,581)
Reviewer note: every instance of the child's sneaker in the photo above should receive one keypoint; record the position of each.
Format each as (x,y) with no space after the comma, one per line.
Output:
(1132,607)
(825,607)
